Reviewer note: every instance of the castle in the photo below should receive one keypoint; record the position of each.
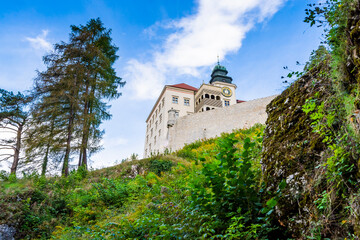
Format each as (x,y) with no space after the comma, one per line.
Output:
(183,114)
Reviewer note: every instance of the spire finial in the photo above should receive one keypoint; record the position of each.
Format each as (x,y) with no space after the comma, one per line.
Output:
(218,59)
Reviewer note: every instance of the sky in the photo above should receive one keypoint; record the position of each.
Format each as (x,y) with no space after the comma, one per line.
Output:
(161,42)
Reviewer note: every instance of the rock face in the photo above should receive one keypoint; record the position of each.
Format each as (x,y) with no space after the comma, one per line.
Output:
(7,232)
(291,150)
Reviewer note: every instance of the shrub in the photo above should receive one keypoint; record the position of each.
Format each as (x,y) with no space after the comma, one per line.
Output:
(112,192)
(158,166)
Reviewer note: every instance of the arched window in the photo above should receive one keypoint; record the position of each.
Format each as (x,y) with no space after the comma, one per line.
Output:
(217,97)
(202,109)
(207,96)
(212,97)
(202,97)
(207,108)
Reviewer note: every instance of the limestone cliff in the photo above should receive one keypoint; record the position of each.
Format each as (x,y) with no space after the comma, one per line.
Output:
(312,138)
(291,150)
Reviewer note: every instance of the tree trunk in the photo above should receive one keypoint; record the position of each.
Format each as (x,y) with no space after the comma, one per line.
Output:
(80,157)
(65,169)
(45,162)
(17,150)
(46,158)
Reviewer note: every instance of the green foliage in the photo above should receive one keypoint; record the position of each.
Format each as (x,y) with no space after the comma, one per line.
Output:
(112,192)
(4,175)
(170,198)
(159,166)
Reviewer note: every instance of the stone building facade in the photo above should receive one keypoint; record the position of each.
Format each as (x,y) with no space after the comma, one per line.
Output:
(183,114)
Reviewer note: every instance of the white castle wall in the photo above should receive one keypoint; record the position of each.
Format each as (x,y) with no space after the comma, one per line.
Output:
(190,128)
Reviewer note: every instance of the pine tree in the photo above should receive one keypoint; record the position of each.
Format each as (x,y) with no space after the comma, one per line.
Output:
(100,83)
(13,119)
(71,95)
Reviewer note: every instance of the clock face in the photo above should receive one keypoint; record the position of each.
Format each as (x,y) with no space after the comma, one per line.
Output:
(226,92)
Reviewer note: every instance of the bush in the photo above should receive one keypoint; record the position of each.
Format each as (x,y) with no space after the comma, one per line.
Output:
(158,166)
(112,192)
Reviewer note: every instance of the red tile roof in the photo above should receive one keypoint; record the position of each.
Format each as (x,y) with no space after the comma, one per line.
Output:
(184,86)
(240,101)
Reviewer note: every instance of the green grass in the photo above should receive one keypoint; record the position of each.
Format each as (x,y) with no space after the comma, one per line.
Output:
(165,199)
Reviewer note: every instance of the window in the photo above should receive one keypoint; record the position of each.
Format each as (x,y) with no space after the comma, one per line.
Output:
(212,97)
(176,114)
(156,124)
(207,96)
(147,138)
(154,140)
(227,103)
(156,113)
(217,97)
(163,102)
(207,108)
(159,132)
(151,133)
(175,99)
(186,102)
(160,118)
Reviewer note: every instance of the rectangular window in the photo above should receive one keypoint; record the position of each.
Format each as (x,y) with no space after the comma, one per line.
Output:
(175,99)
(160,118)
(227,103)
(186,102)
(163,102)
(176,114)
(155,140)
(159,132)
(151,133)
(156,124)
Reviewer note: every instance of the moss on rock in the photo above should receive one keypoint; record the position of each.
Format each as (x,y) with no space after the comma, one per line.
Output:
(291,150)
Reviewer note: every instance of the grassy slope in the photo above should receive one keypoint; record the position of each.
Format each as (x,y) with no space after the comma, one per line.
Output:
(149,198)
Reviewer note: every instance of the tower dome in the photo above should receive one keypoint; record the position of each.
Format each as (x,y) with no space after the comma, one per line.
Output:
(219,74)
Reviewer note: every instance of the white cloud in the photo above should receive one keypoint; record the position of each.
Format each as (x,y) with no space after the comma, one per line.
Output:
(40,42)
(217,28)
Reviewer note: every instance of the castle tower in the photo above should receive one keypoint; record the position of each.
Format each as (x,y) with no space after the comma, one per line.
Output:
(220,92)
(179,100)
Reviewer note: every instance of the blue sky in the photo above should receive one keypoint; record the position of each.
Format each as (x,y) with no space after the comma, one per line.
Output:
(161,42)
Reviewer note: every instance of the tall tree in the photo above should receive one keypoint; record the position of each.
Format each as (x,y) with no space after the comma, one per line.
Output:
(13,119)
(72,93)
(100,82)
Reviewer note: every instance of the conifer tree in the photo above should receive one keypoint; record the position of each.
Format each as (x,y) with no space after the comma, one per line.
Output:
(72,93)
(100,82)
(13,119)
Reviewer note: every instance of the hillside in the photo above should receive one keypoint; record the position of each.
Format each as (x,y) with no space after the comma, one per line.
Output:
(201,191)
